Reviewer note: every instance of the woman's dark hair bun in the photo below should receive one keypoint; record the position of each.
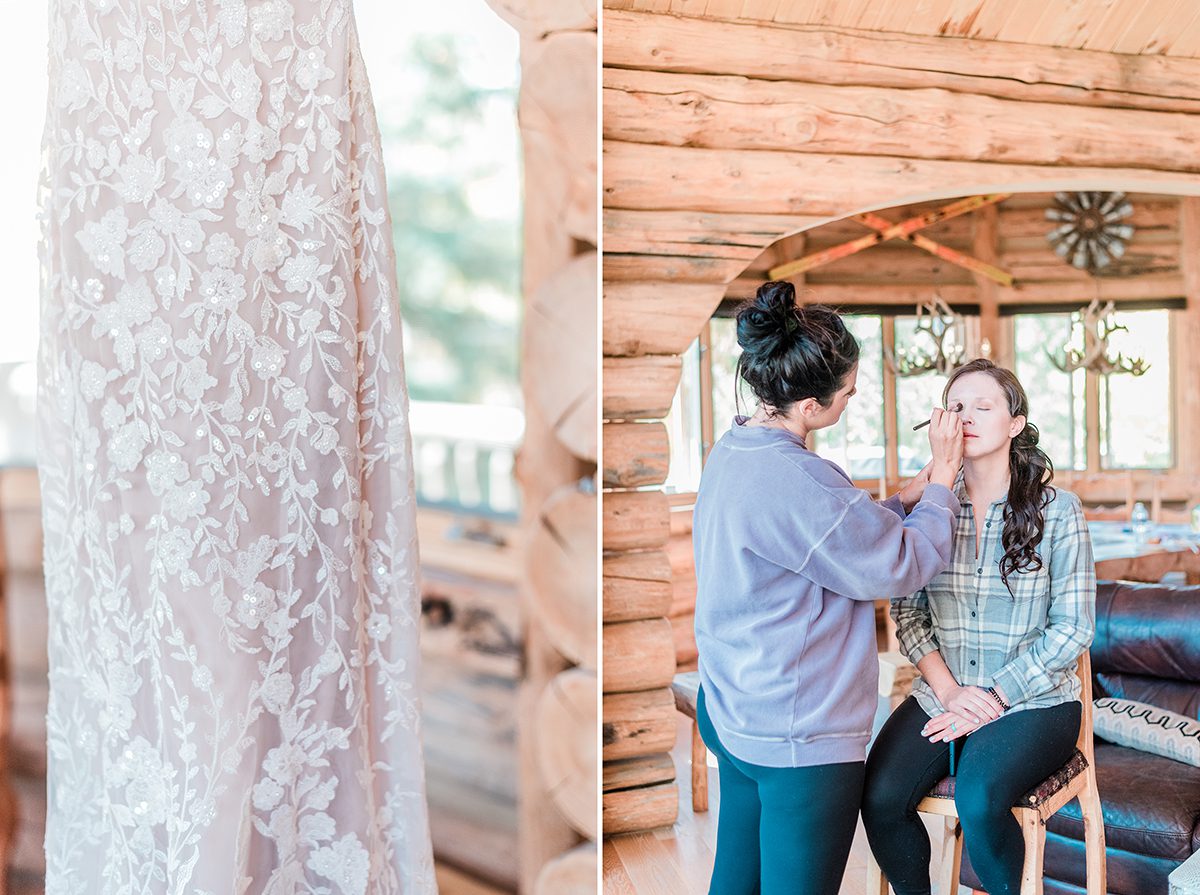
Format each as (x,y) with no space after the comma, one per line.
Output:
(768,321)
(791,352)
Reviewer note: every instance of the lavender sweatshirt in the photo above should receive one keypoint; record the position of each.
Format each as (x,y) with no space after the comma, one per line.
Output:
(789,557)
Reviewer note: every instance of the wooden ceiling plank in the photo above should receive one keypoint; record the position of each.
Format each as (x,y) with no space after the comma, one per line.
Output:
(724,9)
(1102,35)
(895,17)
(1185,15)
(963,17)
(1063,24)
(937,19)
(876,16)
(1025,14)
(1138,32)
(759,10)
(991,19)
(796,12)
(1185,44)
(855,11)
(695,8)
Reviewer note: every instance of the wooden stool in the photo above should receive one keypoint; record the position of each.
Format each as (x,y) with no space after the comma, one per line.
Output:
(686,688)
(1075,779)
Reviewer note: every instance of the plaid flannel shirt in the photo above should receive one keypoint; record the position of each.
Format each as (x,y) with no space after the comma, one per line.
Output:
(1028,642)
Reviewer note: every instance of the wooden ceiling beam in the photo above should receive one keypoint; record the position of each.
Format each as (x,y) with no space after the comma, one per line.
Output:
(649,177)
(825,55)
(906,230)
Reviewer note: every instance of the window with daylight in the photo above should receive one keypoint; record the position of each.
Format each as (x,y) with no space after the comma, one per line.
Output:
(1135,428)
(1135,416)
(857,442)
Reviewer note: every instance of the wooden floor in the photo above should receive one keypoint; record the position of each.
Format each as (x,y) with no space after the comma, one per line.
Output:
(678,860)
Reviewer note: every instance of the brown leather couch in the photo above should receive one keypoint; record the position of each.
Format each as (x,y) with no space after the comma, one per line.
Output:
(1147,648)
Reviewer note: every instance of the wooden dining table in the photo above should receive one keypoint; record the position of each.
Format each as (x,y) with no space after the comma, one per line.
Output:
(1120,554)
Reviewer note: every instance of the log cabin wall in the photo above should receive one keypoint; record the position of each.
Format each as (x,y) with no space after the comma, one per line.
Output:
(723,138)
(556,466)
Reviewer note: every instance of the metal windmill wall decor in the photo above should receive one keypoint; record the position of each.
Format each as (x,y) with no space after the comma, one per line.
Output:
(1090,233)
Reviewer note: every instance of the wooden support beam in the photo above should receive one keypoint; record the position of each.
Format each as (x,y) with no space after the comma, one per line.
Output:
(1159,286)
(986,242)
(1186,334)
(719,112)
(989,271)
(820,55)
(645,176)
(909,234)
(851,295)
(890,423)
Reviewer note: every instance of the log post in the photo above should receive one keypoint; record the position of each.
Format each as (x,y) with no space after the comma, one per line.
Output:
(1187,336)
(991,326)
(556,466)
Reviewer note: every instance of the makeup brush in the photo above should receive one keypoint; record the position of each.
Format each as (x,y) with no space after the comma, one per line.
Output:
(955,409)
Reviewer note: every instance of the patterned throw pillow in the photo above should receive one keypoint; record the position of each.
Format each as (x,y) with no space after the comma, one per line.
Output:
(1148,729)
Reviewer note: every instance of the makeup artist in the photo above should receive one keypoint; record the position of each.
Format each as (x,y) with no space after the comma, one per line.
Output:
(789,559)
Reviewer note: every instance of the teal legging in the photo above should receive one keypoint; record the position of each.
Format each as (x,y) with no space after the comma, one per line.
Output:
(781,831)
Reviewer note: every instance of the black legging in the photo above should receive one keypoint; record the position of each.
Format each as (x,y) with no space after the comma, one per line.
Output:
(781,831)
(997,764)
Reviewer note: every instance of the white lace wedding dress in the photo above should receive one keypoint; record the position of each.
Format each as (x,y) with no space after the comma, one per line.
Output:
(224,456)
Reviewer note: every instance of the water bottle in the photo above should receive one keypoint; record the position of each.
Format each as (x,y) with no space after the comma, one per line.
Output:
(1196,519)
(1140,522)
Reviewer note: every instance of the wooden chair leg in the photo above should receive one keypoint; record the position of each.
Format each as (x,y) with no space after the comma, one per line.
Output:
(1034,831)
(1093,837)
(8,826)
(699,770)
(877,883)
(951,864)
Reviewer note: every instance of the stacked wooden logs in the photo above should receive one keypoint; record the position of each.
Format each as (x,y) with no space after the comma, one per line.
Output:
(648,323)
(556,466)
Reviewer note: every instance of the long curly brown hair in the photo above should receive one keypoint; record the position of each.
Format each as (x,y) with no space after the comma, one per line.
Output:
(1030,474)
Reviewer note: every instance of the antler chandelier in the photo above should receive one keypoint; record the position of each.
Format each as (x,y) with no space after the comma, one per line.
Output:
(942,350)
(1089,234)
(1098,326)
